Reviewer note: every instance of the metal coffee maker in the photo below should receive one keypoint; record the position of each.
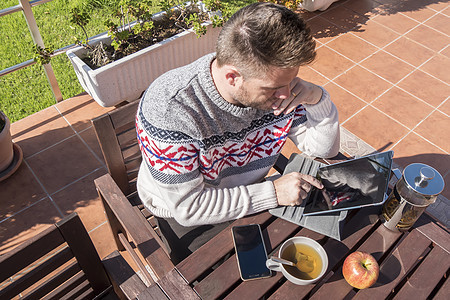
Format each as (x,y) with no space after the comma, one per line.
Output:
(417,188)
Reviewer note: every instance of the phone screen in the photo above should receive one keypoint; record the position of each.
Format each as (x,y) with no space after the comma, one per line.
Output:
(351,184)
(250,251)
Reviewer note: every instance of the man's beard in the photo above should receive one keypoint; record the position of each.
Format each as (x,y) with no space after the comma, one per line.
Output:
(242,96)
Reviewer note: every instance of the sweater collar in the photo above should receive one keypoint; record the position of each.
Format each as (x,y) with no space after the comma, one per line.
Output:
(207,82)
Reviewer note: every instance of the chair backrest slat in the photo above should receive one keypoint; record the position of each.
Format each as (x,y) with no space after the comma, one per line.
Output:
(34,275)
(124,115)
(116,134)
(72,289)
(29,252)
(132,158)
(50,263)
(104,129)
(56,282)
(83,292)
(127,137)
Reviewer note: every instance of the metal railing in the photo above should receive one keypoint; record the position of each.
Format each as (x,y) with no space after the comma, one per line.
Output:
(25,6)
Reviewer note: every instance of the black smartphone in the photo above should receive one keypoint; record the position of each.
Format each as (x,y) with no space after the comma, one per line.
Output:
(250,251)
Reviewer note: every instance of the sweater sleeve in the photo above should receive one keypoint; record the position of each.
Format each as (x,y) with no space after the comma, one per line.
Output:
(319,134)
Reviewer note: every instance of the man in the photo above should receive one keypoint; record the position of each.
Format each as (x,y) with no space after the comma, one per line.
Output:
(210,131)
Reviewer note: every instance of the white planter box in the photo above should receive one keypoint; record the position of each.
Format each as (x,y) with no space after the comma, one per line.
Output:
(126,78)
(312,5)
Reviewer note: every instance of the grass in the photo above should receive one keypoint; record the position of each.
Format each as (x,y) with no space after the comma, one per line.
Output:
(27,91)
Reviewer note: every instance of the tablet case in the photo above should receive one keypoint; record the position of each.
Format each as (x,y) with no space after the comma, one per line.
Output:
(329,224)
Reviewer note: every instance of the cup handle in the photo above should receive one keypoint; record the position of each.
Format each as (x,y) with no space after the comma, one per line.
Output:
(273,265)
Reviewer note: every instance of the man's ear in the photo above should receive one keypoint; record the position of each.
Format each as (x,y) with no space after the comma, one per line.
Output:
(232,76)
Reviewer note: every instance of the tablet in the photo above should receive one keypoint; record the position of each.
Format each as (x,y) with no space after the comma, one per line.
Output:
(351,184)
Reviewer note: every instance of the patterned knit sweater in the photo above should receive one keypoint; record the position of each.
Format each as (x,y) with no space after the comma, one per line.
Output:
(204,159)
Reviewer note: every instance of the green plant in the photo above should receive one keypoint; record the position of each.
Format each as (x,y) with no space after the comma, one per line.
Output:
(122,33)
(80,18)
(42,55)
(291,4)
(132,27)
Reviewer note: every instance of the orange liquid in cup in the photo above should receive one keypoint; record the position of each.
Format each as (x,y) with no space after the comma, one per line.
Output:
(311,261)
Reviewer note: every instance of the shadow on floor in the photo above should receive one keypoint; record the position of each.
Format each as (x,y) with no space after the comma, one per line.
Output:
(363,10)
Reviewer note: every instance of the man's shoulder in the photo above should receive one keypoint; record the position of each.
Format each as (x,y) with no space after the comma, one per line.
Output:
(181,76)
(173,114)
(176,99)
(169,87)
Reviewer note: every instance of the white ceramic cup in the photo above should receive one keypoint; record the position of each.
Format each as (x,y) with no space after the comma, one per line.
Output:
(278,267)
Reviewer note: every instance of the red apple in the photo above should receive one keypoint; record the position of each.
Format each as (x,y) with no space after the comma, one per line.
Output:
(360,270)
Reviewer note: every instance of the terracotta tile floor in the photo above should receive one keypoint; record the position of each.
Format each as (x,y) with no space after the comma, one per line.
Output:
(385,63)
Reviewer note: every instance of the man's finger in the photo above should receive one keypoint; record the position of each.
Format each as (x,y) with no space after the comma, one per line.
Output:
(277,104)
(282,105)
(303,195)
(312,180)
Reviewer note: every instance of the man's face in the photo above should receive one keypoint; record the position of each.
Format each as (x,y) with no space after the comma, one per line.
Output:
(266,90)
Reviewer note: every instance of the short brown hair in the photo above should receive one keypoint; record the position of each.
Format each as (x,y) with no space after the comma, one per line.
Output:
(263,35)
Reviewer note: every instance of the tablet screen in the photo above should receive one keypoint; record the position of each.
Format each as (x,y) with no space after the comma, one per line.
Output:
(351,184)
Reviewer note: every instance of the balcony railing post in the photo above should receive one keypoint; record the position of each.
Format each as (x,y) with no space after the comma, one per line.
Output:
(37,38)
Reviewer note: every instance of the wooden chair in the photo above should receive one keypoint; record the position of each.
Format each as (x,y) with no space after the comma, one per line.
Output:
(132,225)
(61,262)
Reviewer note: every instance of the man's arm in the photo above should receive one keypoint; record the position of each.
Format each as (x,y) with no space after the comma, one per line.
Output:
(320,135)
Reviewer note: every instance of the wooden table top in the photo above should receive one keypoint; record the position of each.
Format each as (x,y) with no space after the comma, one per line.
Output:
(413,264)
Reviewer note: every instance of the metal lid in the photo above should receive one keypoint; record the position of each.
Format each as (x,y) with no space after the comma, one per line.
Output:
(423,179)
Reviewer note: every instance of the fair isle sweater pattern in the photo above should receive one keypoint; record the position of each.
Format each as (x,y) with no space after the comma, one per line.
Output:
(174,157)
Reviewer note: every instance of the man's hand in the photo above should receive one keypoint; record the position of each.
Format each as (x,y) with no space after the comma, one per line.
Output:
(292,188)
(302,92)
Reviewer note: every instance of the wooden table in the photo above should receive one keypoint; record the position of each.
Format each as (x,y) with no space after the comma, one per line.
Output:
(413,265)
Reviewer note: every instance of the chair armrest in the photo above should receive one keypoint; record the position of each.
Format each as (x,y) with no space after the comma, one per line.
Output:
(126,283)
(126,220)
